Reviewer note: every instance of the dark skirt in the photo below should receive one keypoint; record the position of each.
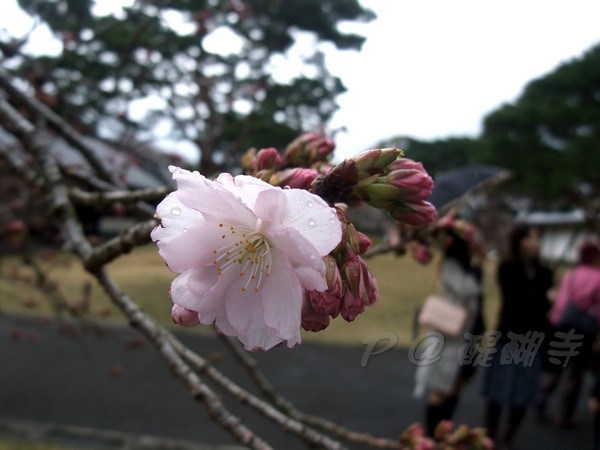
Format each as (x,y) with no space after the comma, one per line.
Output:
(510,382)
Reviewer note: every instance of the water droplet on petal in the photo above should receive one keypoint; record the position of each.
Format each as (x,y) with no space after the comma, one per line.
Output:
(309,204)
(175,211)
(286,187)
(312,256)
(311,222)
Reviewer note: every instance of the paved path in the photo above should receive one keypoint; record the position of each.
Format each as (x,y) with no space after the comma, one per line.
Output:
(109,382)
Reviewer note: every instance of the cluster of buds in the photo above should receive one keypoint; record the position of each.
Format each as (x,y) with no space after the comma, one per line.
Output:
(351,285)
(460,227)
(308,150)
(303,160)
(446,437)
(383,178)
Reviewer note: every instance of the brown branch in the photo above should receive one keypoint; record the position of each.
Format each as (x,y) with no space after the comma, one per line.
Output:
(21,167)
(288,407)
(106,198)
(161,340)
(64,215)
(64,129)
(290,424)
(136,235)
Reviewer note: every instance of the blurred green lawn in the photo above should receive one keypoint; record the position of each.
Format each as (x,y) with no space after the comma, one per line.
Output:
(403,285)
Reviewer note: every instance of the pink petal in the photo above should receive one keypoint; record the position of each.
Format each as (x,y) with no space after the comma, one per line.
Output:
(197,246)
(282,299)
(175,217)
(184,317)
(304,258)
(313,218)
(210,198)
(245,314)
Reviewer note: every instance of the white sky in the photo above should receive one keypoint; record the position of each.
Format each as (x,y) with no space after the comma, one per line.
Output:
(434,68)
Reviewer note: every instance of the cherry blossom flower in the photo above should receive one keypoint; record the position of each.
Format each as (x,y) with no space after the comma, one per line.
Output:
(247,252)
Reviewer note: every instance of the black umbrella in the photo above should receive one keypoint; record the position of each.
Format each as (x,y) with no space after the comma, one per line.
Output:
(455,186)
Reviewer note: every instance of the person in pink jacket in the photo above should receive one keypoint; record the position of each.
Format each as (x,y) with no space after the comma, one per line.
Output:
(579,287)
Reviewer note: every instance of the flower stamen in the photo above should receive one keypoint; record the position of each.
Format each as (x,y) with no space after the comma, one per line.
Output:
(253,252)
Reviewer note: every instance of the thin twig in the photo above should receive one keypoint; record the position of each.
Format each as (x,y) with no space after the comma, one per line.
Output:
(107,198)
(291,424)
(136,235)
(288,407)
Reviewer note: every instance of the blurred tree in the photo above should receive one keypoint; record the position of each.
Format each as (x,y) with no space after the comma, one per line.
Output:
(550,137)
(205,70)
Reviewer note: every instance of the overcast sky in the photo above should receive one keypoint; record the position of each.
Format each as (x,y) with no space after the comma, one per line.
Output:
(434,68)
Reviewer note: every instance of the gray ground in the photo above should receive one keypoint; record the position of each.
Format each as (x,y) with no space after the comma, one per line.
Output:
(110,383)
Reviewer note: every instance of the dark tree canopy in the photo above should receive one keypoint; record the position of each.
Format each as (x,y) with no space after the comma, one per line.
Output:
(550,137)
(223,100)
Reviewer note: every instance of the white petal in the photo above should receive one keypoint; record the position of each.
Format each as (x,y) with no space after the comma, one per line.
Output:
(244,187)
(282,299)
(245,314)
(312,217)
(211,199)
(306,261)
(175,217)
(198,246)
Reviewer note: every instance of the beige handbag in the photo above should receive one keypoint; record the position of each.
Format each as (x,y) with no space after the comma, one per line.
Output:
(442,315)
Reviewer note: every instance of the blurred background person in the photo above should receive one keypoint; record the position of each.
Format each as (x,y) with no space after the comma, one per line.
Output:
(459,283)
(577,308)
(511,383)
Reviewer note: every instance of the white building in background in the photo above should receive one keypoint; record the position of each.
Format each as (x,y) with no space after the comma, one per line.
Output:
(562,233)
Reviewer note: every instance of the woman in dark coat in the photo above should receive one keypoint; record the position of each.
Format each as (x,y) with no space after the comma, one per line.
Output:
(512,381)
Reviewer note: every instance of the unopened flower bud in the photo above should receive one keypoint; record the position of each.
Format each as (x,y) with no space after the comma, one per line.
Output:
(312,320)
(184,317)
(268,159)
(443,430)
(423,443)
(325,302)
(411,179)
(296,178)
(351,306)
(249,162)
(422,253)
(360,280)
(375,161)
(308,149)
(365,243)
(416,214)
(333,276)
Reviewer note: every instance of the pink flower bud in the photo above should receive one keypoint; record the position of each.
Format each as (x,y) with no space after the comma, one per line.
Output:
(375,161)
(297,178)
(308,149)
(417,214)
(351,306)
(365,243)
(423,443)
(320,148)
(268,159)
(414,185)
(443,430)
(325,302)
(184,317)
(312,320)
(333,276)
(422,253)
(249,161)
(360,280)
